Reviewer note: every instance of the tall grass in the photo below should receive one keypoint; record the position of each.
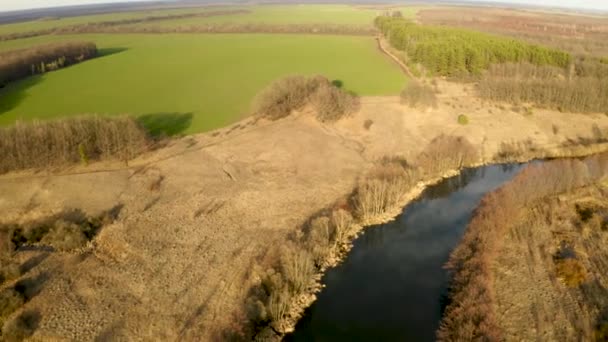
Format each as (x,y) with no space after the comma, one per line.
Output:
(43,144)
(470,314)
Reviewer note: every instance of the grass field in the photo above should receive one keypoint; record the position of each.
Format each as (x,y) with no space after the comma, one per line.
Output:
(61,22)
(189,82)
(268,14)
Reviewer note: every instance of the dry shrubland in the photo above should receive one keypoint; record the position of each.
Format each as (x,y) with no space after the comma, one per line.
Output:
(44,144)
(470,314)
(383,187)
(18,64)
(291,93)
(322,238)
(447,153)
(417,94)
(582,89)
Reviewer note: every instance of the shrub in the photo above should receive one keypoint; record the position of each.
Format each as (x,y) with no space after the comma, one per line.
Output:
(368,124)
(417,94)
(383,187)
(65,236)
(63,142)
(298,268)
(571,272)
(291,93)
(463,119)
(333,103)
(446,153)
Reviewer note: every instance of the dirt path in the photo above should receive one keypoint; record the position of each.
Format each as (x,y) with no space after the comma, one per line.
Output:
(383,46)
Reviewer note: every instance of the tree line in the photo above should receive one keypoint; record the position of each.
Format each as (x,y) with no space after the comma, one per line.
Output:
(584,88)
(453,52)
(18,64)
(471,314)
(97,27)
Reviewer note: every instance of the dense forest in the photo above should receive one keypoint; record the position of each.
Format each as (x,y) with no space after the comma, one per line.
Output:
(453,52)
(18,64)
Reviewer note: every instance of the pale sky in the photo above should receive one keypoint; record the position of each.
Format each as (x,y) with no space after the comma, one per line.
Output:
(10,5)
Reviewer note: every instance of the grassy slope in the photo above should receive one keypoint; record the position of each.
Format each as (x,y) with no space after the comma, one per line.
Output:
(212,77)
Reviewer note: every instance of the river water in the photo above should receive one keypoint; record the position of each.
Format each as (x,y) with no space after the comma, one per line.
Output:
(392,285)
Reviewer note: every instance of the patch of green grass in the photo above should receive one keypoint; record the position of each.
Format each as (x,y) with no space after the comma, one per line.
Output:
(463,119)
(208,78)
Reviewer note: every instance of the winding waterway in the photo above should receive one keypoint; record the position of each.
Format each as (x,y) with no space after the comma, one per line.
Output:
(392,286)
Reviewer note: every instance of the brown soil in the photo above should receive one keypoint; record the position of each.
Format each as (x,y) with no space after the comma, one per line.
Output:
(199,213)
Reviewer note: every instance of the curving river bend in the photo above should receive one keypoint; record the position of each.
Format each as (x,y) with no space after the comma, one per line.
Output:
(392,285)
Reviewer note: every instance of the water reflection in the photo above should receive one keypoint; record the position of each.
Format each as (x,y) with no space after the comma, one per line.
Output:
(391,286)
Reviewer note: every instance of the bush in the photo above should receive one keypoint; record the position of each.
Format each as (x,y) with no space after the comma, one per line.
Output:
(298,268)
(571,272)
(601,334)
(65,236)
(333,103)
(463,119)
(418,95)
(291,93)
(383,188)
(63,142)
(446,153)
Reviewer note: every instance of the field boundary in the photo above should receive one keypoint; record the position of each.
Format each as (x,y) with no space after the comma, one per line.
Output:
(381,45)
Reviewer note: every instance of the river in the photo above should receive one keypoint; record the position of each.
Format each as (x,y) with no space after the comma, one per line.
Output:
(392,285)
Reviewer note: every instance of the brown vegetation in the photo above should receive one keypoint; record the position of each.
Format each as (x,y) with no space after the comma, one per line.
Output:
(584,89)
(18,64)
(315,247)
(417,94)
(470,314)
(571,271)
(63,142)
(291,93)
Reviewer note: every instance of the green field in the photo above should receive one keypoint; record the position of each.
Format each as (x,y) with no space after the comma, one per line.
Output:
(209,80)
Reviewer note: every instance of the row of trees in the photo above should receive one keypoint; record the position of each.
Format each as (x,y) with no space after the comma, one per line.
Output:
(105,25)
(40,145)
(17,64)
(583,89)
(452,52)
(471,312)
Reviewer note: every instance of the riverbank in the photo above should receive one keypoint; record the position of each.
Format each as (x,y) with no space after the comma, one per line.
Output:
(198,215)
(300,303)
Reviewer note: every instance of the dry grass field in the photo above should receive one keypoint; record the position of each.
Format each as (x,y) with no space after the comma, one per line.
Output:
(552,271)
(195,215)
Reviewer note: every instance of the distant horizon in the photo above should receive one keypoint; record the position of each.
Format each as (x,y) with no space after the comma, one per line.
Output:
(24,5)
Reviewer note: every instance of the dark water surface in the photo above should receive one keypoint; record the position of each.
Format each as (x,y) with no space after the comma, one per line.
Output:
(392,285)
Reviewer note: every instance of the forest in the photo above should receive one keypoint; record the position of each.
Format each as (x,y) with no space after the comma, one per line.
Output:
(454,52)
(18,64)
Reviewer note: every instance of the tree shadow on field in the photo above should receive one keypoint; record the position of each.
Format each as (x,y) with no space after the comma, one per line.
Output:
(12,94)
(166,124)
(109,51)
